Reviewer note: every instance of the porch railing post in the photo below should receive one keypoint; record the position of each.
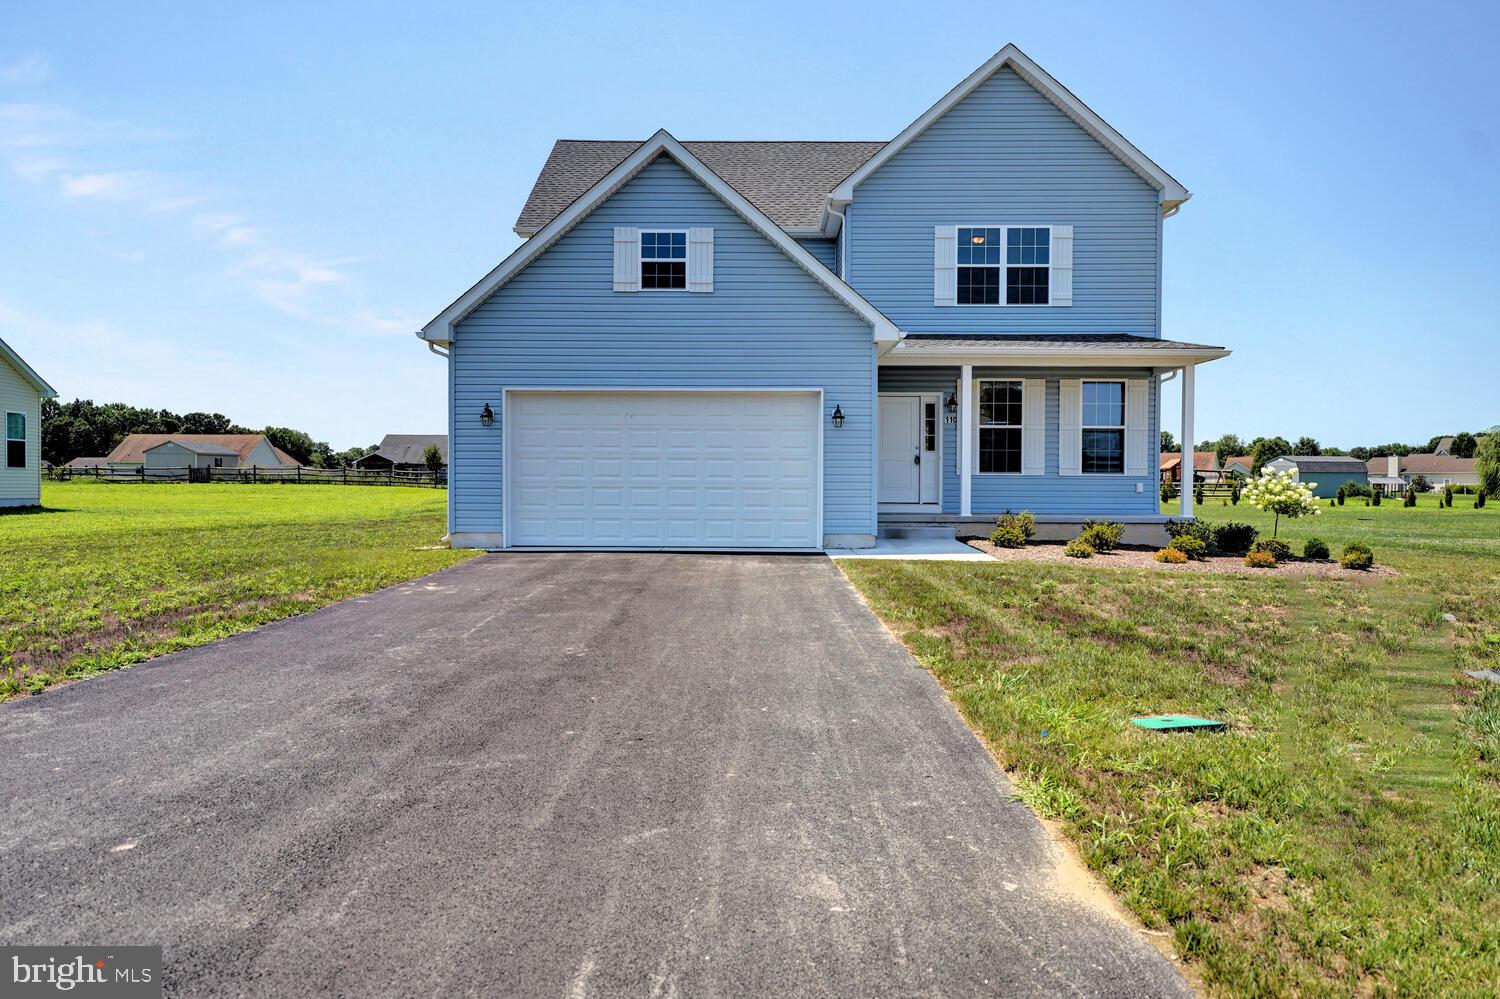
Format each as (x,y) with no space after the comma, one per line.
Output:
(965,459)
(1188,445)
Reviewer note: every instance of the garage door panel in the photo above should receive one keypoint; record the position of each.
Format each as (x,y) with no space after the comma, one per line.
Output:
(669,469)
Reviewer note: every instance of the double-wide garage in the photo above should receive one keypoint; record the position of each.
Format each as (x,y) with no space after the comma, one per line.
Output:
(646,469)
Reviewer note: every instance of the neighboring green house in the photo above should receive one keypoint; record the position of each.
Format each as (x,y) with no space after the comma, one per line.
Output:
(1325,472)
(21,393)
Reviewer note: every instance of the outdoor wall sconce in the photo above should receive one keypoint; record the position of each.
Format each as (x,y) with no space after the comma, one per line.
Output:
(486,415)
(838,416)
(952,404)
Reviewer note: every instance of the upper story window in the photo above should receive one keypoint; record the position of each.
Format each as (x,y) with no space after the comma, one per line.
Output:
(999,426)
(1103,444)
(15,440)
(664,260)
(1017,259)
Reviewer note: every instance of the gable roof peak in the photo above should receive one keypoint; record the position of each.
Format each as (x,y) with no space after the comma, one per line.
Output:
(1171,193)
(441,328)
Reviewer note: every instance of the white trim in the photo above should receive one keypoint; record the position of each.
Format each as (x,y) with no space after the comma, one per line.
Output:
(505,431)
(24,439)
(965,449)
(25,371)
(1004,266)
(1138,427)
(640,260)
(1069,426)
(916,352)
(1188,401)
(1034,426)
(923,400)
(1123,427)
(441,328)
(700,263)
(1170,193)
(1019,428)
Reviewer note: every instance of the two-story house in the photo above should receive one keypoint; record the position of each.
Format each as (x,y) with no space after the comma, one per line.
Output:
(791,345)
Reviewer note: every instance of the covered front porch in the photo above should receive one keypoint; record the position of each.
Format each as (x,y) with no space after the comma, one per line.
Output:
(1067,427)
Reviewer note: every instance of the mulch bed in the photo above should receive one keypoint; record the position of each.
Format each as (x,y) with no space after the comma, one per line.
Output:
(1138,557)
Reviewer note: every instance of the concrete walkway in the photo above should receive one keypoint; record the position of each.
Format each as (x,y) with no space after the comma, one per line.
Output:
(939,549)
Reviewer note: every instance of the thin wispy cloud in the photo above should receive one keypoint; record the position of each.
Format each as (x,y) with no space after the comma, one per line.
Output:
(27,71)
(69,153)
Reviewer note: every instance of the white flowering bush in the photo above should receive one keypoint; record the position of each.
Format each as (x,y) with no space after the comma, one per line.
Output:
(1280,493)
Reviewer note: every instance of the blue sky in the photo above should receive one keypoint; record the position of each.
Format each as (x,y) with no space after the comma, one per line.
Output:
(250,210)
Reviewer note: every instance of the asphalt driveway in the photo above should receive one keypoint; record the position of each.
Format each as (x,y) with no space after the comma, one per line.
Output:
(548,775)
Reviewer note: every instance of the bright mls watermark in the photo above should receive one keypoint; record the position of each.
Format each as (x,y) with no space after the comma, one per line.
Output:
(118,972)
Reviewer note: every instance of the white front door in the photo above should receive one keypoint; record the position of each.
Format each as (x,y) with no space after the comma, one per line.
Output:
(651,469)
(900,449)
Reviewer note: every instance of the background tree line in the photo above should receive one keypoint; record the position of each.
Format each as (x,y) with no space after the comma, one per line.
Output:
(85,428)
(1263,449)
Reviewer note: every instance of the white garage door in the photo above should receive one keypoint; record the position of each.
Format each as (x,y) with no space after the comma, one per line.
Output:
(663,469)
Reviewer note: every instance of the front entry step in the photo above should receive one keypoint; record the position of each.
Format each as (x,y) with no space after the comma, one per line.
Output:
(894,533)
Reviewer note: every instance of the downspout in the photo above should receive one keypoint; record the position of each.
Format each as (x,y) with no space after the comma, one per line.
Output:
(843,241)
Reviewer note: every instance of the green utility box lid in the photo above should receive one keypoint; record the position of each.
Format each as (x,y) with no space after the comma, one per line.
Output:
(1173,723)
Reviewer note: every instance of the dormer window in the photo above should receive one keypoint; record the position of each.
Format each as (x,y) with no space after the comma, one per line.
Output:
(664,260)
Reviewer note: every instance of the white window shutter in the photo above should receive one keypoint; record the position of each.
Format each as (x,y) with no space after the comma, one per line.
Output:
(627,258)
(700,265)
(1137,428)
(1070,427)
(945,265)
(1062,265)
(1034,426)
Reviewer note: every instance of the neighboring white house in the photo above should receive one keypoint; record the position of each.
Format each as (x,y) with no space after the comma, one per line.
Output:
(21,393)
(192,449)
(190,454)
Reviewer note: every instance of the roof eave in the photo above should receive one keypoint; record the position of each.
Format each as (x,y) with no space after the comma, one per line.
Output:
(916,352)
(26,371)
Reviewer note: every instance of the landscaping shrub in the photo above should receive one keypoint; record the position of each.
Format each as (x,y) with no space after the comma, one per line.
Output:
(1341,497)
(1448,496)
(1198,493)
(1190,546)
(1411,498)
(1315,548)
(1233,538)
(1173,555)
(1357,556)
(1193,528)
(1234,491)
(1078,548)
(1008,536)
(1479,500)
(1014,525)
(1166,492)
(1102,535)
(1260,560)
(1275,547)
(1375,498)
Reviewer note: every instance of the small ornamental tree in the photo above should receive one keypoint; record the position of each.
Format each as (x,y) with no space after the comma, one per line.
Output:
(1280,493)
(433,458)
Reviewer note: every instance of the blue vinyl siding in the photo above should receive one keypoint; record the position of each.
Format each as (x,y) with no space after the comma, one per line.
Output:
(1328,482)
(826,250)
(766,324)
(1005,155)
(1085,495)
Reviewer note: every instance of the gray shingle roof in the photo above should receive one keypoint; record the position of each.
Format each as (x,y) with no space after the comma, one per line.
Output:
(1327,463)
(786,180)
(980,341)
(407,449)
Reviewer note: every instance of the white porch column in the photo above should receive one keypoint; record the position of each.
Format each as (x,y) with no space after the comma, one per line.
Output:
(1188,444)
(965,459)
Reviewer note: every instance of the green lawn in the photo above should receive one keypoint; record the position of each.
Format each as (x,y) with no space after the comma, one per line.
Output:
(107,575)
(1343,838)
